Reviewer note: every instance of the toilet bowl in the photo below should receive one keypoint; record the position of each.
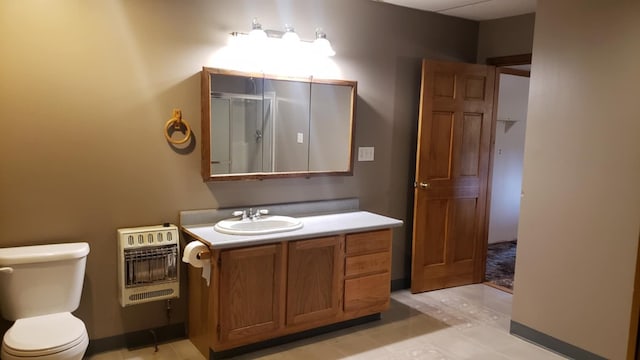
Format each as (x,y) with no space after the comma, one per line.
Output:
(40,286)
(48,337)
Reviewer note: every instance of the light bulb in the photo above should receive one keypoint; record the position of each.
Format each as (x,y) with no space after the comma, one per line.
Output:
(290,34)
(322,45)
(256,30)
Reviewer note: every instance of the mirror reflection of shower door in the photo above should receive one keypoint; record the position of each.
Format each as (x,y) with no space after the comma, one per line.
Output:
(268,126)
(241,134)
(219,139)
(246,149)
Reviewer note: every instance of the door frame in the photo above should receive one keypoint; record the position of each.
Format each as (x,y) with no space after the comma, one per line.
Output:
(500,62)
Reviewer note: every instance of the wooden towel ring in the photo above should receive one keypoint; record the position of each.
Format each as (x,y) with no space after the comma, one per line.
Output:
(177,122)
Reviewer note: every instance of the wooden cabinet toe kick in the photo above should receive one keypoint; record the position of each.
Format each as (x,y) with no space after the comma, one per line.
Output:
(225,354)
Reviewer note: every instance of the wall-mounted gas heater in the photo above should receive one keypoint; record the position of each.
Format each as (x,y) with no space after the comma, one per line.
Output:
(148,264)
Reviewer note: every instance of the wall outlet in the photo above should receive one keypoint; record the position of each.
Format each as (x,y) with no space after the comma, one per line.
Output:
(365,153)
(300,138)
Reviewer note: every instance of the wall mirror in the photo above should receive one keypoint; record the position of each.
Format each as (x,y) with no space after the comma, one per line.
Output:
(258,126)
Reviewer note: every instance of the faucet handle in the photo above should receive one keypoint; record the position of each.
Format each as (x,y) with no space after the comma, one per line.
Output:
(259,212)
(239,213)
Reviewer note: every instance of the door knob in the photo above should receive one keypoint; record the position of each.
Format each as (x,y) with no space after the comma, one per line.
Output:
(424,185)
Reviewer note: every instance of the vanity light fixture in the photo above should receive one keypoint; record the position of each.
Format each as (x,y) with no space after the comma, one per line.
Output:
(259,37)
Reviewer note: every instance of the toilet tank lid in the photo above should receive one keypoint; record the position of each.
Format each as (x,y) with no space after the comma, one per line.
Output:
(42,253)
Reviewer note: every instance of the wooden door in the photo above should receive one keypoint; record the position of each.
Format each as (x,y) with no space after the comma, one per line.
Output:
(452,164)
(251,292)
(314,279)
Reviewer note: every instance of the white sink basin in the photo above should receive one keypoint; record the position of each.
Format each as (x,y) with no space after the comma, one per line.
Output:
(266,224)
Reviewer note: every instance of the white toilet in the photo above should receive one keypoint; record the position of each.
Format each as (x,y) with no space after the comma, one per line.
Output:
(39,287)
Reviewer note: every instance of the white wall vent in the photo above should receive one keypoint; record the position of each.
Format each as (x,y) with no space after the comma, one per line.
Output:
(148,264)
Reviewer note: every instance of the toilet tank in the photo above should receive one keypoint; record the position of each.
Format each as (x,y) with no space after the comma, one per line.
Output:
(41,279)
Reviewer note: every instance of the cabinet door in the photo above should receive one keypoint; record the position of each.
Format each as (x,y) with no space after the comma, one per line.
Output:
(251,282)
(314,278)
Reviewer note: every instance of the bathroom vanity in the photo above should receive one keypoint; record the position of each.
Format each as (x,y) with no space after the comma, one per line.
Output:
(333,270)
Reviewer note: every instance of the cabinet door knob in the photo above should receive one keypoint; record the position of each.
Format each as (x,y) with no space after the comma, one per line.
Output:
(424,185)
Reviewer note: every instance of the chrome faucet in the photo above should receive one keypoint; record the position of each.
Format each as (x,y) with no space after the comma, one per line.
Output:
(244,214)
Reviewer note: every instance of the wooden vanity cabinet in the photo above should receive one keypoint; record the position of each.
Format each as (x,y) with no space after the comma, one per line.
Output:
(268,291)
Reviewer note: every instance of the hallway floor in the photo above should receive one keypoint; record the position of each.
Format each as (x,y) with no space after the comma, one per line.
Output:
(467,322)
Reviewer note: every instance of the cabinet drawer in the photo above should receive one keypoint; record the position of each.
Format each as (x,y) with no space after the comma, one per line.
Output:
(367,242)
(367,291)
(367,264)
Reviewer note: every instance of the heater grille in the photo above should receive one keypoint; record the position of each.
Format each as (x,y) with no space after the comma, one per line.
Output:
(150,294)
(148,264)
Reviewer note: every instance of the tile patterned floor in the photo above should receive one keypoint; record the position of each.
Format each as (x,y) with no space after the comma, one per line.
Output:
(467,322)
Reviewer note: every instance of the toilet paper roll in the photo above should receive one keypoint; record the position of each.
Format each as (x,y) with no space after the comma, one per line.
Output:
(190,256)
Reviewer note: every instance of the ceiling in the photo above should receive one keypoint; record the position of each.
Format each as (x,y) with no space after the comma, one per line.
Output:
(478,10)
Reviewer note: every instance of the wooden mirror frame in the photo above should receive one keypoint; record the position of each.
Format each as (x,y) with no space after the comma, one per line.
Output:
(206,128)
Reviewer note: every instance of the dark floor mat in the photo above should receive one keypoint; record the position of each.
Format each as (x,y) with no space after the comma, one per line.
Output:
(501,261)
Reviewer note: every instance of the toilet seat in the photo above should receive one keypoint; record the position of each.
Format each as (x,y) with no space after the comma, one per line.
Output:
(44,335)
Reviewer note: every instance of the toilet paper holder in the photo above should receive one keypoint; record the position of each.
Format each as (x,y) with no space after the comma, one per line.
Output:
(203,255)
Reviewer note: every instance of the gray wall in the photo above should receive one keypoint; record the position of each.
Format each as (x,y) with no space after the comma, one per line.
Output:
(88,85)
(506,36)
